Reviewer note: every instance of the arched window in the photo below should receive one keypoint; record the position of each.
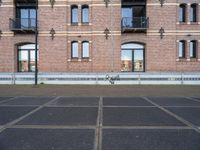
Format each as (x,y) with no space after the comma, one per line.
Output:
(85,14)
(181,51)
(26,58)
(182,13)
(193,49)
(85,49)
(132,57)
(193,13)
(74,49)
(74,14)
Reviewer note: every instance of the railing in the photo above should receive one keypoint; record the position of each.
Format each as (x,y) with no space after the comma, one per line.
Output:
(22,24)
(154,78)
(24,1)
(135,23)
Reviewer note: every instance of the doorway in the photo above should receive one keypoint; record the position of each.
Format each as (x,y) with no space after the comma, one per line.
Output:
(132,57)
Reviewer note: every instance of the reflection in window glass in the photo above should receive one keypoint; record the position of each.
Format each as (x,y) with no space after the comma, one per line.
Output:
(85,49)
(23,61)
(85,14)
(24,14)
(33,17)
(74,50)
(27,17)
(138,60)
(74,14)
(26,58)
(126,60)
(132,57)
(127,15)
(32,60)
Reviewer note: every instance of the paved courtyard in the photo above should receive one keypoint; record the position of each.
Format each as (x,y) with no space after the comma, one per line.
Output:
(99,123)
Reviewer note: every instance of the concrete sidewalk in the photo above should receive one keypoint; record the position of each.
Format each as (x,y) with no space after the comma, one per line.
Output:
(99,123)
(98,90)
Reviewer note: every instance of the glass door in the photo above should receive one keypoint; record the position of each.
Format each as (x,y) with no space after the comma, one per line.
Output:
(23,61)
(26,17)
(32,60)
(32,16)
(138,16)
(132,57)
(126,61)
(127,15)
(23,18)
(138,57)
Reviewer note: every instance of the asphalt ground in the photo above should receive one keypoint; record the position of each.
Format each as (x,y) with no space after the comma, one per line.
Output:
(99,123)
(100,90)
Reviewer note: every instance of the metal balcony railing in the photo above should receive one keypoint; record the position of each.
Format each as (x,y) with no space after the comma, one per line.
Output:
(25,1)
(23,24)
(134,23)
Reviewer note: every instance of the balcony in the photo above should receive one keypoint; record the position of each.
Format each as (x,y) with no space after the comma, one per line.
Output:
(29,3)
(23,25)
(134,24)
(25,1)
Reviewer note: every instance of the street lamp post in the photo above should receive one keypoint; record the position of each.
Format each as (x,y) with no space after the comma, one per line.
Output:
(36,43)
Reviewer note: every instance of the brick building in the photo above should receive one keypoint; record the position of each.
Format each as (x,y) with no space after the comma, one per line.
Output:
(100,35)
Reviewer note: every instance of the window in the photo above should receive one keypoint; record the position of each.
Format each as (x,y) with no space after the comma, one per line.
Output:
(193,13)
(74,49)
(85,14)
(133,16)
(193,49)
(132,57)
(181,49)
(182,13)
(85,49)
(26,58)
(74,14)
(26,17)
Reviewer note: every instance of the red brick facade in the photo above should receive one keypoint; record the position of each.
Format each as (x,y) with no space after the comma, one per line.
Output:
(105,54)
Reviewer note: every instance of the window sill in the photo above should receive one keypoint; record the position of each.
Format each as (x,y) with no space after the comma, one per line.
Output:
(182,23)
(79,24)
(194,23)
(86,59)
(85,23)
(79,60)
(74,59)
(74,24)
(193,59)
(187,60)
(181,60)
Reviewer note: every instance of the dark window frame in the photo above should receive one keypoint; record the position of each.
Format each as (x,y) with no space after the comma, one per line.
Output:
(83,49)
(82,15)
(18,8)
(194,14)
(73,42)
(183,11)
(194,49)
(183,49)
(72,21)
